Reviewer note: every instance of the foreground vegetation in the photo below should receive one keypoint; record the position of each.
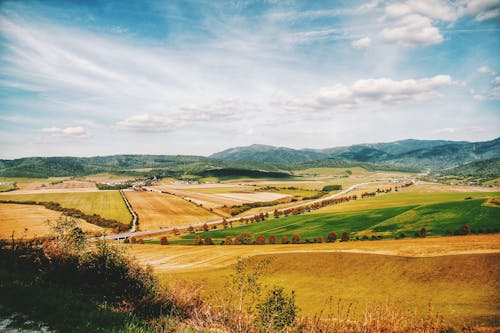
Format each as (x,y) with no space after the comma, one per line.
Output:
(79,289)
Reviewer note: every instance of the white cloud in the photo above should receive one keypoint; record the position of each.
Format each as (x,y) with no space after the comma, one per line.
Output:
(486,69)
(362,43)
(479,97)
(482,10)
(495,93)
(70,132)
(382,91)
(412,30)
(496,80)
(148,123)
(368,6)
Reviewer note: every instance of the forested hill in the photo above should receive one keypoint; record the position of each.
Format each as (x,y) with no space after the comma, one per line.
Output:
(421,154)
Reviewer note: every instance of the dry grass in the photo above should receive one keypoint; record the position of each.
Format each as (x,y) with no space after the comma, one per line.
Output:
(158,210)
(107,204)
(185,258)
(27,221)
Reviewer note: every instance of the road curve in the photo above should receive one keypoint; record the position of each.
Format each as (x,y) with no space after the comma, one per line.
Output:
(232,219)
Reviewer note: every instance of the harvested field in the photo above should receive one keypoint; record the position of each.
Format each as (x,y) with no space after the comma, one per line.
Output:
(28,221)
(252,197)
(107,204)
(185,258)
(158,210)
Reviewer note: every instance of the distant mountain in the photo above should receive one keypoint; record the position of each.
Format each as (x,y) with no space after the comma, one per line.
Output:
(408,153)
(481,171)
(270,154)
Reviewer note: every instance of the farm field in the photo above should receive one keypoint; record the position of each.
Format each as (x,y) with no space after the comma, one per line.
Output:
(27,221)
(462,288)
(158,210)
(455,275)
(438,219)
(192,258)
(107,204)
(408,196)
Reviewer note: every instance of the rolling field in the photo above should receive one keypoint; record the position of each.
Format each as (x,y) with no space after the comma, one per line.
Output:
(436,218)
(462,288)
(157,210)
(108,204)
(456,275)
(410,196)
(28,221)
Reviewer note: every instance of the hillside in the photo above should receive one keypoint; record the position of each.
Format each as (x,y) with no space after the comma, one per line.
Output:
(479,171)
(422,154)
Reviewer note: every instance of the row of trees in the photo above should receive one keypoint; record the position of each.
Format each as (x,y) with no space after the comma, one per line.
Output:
(247,238)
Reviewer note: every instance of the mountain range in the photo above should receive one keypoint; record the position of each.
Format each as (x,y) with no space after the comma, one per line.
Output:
(423,154)
(405,155)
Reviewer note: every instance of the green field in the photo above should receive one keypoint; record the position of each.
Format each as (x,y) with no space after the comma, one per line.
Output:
(107,204)
(409,198)
(461,288)
(438,219)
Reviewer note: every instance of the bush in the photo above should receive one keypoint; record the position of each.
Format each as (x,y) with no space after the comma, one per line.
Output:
(277,311)
(260,240)
(208,241)
(272,239)
(140,241)
(329,188)
(464,230)
(246,238)
(164,241)
(198,240)
(228,240)
(191,229)
(319,239)
(332,237)
(423,232)
(296,239)
(205,227)
(133,240)
(284,240)
(345,237)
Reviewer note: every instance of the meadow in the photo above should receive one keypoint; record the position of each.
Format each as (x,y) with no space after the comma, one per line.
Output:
(107,204)
(438,218)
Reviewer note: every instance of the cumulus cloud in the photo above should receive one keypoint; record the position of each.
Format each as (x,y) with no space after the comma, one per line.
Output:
(148,123)
(372,91)
(69,132)
(414,22)
(482,10)
(412,30)
(362,43)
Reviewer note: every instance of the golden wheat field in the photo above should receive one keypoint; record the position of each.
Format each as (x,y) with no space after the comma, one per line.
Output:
(27,221)
(159,210)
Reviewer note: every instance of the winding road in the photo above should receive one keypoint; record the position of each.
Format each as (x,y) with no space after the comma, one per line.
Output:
(134,233)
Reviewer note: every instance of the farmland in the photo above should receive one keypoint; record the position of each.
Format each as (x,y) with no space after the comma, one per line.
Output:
(158,210)
(108,204)
(438,219)
(27,221)
(412,272)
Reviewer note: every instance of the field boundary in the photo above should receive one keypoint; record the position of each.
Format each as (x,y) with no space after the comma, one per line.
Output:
(132,212)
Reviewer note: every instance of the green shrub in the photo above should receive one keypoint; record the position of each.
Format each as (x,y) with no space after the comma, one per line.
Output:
(277,311)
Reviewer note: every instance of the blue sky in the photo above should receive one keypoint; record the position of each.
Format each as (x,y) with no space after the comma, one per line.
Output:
(87,78)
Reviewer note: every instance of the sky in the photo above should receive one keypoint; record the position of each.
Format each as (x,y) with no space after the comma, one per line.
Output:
(87,78)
